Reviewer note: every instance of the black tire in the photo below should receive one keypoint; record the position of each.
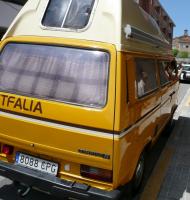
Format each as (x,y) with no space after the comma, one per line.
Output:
(139,173)
(169,127)
(130,189)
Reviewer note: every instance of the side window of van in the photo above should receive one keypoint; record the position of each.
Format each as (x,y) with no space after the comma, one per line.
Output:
(72,14)
(164,74)
(146,79)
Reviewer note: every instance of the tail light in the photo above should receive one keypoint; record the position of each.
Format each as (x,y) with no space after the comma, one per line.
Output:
(96,173)
(7,149)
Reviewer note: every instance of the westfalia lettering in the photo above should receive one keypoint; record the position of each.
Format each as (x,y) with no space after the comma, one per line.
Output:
(22,104)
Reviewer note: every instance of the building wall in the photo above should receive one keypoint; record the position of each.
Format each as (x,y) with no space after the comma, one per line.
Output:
(184,46)
(156,10)
(175,44)
(182,43)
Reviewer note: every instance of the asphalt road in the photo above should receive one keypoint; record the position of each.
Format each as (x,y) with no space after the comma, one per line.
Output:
(8,191)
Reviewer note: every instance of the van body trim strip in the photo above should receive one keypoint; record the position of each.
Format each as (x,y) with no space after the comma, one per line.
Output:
(80,129)
(56,124)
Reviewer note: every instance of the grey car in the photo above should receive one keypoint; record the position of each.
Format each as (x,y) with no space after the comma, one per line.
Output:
(185,73)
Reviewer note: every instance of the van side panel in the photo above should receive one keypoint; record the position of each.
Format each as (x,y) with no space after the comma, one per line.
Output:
(169,98)
(128,148)
(138,121)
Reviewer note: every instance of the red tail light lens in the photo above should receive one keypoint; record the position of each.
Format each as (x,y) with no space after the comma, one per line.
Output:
(96,173)
(7,149)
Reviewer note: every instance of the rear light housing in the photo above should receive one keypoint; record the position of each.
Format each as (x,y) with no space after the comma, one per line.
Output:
(96,173)
(7,149)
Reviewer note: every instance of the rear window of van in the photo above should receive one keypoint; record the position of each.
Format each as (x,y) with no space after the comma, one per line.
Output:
(72,14)
(76,76)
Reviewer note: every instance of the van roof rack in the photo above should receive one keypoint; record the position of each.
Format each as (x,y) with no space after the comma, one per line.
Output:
(135,33)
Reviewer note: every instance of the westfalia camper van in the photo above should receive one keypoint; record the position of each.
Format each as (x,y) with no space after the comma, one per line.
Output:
(85,90)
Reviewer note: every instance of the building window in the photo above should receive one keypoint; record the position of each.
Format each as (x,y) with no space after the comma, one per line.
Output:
(164,30)
(158,10)
(185,46)
(165,18)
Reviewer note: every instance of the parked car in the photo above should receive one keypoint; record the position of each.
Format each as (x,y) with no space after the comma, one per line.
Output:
(185,73)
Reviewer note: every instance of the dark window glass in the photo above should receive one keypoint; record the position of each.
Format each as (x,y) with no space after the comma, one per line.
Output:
(55,13)
(76,76)
(72,14)
(146,80)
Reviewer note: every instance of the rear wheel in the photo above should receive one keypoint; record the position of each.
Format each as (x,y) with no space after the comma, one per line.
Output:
(169,126)
(131,188)
(139,173)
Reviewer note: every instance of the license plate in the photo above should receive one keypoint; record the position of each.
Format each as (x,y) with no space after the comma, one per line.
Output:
(36,163)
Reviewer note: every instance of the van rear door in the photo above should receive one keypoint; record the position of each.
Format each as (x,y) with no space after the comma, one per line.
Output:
(58,101)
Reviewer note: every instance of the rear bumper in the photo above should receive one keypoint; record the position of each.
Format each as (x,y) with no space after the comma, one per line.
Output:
(54,185)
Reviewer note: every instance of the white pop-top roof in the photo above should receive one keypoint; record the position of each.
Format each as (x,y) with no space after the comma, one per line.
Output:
(119,22)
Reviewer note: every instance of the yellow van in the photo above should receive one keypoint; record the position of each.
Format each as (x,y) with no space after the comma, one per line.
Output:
(84,92)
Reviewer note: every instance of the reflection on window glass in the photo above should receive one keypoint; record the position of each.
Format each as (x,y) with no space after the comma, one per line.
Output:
(145,76)
(68,13)
(76,76)
(55,13)
(164,74)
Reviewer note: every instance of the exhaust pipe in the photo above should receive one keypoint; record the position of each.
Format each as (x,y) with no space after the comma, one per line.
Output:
(22,192)
(22,189)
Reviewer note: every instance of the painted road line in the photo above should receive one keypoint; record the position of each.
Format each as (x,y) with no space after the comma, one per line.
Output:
(155,181)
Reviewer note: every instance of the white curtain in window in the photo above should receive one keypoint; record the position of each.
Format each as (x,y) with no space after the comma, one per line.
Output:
(76,76)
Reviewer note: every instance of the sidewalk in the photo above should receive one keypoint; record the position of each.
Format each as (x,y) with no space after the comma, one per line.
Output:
(170,179)
(176,185)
